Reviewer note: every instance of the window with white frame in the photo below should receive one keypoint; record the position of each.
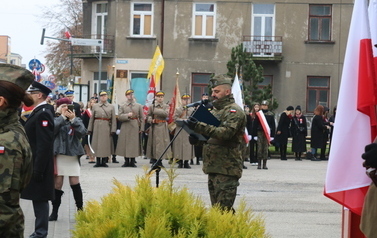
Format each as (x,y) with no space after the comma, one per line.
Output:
(142,19)
(204,20)
(99,19)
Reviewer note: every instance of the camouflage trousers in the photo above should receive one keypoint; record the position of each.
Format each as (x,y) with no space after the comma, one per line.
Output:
(11,221)
(262,145)
(222,190)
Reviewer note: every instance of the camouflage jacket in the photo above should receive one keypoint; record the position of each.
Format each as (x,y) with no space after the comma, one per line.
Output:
(15,158)
(222,153)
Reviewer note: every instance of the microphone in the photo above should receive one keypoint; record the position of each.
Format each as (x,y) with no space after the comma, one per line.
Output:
(193,104)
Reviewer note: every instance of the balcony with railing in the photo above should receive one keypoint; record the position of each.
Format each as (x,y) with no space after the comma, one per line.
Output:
(93,51)
(264,48)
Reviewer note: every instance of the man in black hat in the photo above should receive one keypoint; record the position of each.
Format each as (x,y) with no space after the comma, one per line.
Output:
(40,130)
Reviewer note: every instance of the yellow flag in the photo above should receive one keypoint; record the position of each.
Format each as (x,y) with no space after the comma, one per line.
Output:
(157,66)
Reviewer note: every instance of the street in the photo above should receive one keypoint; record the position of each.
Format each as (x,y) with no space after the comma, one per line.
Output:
(289,195)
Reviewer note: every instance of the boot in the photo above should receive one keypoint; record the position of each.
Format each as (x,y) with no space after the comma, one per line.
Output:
(191,161)
(132,163)
(104,161)
(186,165)
(55,205)
(126,162)
(77,195)
(98,162)
(114,159)
(265,164)
(259,164)
(197,161)
(180,164)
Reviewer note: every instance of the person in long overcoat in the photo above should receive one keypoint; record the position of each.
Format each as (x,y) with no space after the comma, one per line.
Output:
(283,131)
(299,133)
(318,126)
(158,134)
(183,151)
(102,125)
(39,128)
(132,118)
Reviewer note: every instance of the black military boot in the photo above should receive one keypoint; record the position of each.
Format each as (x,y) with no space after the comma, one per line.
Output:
(191,161)
(114,159)
(55,205)
(98,162)
(259,164)
(77,195)
(104,161)
(132,163)
(186,164)
(180,164)
(265,164)
(197,161)
(126,162)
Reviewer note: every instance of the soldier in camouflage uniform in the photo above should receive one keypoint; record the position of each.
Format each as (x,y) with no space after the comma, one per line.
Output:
(222,154)
(15,151)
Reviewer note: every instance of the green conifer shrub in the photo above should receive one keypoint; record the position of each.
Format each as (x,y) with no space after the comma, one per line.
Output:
(148,212)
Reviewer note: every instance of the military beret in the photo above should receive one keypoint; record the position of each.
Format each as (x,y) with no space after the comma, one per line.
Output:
(63,101)
(205,94)
(103,93)
(129,91)
(17,75)
(264,102)
(69,92)
(220,79)
(160,93)
(186,96)
(35,86)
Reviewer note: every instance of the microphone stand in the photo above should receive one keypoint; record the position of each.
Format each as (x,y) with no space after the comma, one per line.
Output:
(156,166)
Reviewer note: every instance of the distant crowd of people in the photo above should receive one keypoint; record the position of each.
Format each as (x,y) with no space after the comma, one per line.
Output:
(291,124)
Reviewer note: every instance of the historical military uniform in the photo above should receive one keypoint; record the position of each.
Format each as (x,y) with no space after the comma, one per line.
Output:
(222,154)
(15,158)
(182,149)
(129,145)
(158,137)
(102,124)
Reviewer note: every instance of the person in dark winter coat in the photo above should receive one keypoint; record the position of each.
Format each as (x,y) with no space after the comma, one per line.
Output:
(39,128)
(251,126)
(299,133)
(317,129)
(283,131)
(326,133)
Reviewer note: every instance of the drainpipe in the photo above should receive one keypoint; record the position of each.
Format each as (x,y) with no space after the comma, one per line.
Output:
(162,32)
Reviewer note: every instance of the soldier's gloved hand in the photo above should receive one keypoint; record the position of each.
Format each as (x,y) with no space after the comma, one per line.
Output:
(117,132)
(37,176)
(191,122)
(193,139)
(370,155)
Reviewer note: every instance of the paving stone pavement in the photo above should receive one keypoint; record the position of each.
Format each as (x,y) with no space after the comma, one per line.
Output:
(289,195)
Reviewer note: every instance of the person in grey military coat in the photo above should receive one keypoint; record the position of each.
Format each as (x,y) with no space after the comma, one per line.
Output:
(158,138)
(132,118)
(183,151)
(102,125)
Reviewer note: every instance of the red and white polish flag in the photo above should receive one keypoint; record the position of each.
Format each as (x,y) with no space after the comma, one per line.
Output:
(355,123)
